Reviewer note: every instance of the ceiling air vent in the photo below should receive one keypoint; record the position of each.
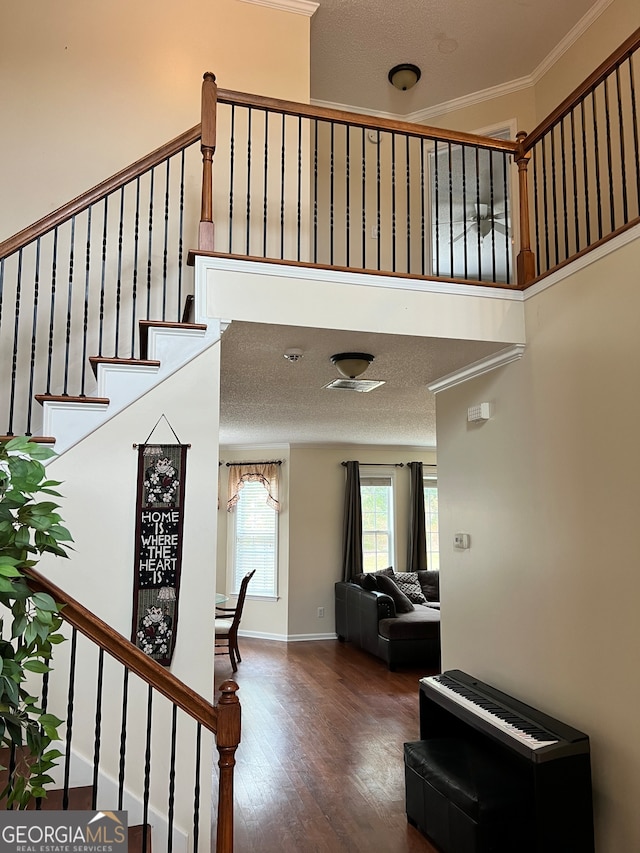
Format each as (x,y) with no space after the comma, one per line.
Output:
(362,385)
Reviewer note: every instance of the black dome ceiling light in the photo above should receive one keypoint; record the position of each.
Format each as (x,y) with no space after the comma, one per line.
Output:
(404,76)
(352,364)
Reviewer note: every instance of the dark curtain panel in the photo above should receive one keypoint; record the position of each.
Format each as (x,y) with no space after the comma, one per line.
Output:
(352,546)
(417,550)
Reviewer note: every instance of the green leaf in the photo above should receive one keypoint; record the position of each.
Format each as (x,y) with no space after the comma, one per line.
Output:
(8,571)
(43,601)
(35,666)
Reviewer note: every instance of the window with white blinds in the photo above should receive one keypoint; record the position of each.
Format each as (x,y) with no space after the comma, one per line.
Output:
(431,520)
(255,542)
(376,493)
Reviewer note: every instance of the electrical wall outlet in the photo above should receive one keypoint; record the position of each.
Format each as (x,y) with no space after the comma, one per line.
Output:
(320,612)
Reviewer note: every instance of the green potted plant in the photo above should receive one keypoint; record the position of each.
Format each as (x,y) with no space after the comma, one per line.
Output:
(29,622)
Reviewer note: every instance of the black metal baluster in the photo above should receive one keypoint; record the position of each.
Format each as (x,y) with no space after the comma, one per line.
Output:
(347,174)
(450,165)
(52,307)
(165,246)
(181,228)
(507,216)
(134,280)
(315,191)
(574,169)
(249,123)
(172,780)
(232,163)
(393,204)
(596,154)
(67,347)
(408,171)
(98,731)
(464,211)
(477,207)
(554,195)
(123,738)
(623,165)
(119,272)
(265,204)
(147,771)
(492,213)
(282,182)
(34,332)
(536,208)
(69,735)
(299,211)
(364,202)
(14,356)
(331,190)
(585,168)
(545,195)
(636,145)
(152,174)
(378,190)
(423,219)
(607,115)
(43,704)
(196,793)
(436,194)
(103,273)
(565,198)
(85,313)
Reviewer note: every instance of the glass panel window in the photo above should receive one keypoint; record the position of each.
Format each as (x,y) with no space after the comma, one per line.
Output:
(255,541)
(431,521)
(376,492)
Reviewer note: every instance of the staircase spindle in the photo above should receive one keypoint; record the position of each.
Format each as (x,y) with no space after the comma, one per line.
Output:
(607,114)
(119,271)
(103,274)
(596,158)
(393,205)
(196,790)
(172,779)
(98,730)
(634,125)
(563,168)
(69,718)
(152,175)
(585,172)
(249,123)
(147,770)
(265,187)
(34,328)
(623,164)
(123,738)
(282,183)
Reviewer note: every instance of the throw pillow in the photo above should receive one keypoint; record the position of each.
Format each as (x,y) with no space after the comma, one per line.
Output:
(430,583)
(391,588)
(410,585)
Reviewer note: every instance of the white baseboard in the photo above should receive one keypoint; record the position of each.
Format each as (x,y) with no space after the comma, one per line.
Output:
(287,638)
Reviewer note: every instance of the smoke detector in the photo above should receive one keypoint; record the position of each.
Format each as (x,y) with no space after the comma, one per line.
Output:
(294,355)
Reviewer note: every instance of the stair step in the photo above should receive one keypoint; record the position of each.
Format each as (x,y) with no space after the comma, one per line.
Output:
(67,398)
(145,325)
(37,439)
(80,799)
(96,360)
(136,835)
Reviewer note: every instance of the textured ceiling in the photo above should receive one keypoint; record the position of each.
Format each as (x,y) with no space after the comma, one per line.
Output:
(267,400)
(354,43)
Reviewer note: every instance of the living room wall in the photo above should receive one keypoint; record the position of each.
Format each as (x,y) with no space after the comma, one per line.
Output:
(311,533)
(544,604)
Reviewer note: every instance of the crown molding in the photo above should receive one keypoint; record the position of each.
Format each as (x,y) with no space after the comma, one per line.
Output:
(471,371)
(298,7)
(570,39)
(508,88)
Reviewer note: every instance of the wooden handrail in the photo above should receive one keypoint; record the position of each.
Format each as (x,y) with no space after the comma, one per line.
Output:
(227,96)
(130,656)
(104,188)
(602,71)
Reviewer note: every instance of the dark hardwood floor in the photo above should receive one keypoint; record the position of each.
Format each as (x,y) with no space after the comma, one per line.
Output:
(320,766)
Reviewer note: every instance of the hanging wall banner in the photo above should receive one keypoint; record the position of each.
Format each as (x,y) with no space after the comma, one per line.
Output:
(159,524)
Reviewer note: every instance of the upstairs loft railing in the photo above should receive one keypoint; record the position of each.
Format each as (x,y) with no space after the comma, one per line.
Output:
(134,736)
(292,183)
(585,163)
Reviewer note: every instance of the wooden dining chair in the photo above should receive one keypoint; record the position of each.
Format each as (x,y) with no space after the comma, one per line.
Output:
(227,622)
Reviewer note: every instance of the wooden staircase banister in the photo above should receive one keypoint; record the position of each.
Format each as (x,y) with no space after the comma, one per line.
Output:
(133,658)
(227,96)
(109,185)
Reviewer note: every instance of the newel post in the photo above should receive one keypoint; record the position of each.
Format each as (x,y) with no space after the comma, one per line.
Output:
(526,262)
(227,740)
(207,146)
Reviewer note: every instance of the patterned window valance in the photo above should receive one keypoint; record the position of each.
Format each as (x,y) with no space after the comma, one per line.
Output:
(254,472)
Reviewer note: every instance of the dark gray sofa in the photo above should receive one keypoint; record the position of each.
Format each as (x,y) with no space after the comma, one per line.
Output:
(368,618)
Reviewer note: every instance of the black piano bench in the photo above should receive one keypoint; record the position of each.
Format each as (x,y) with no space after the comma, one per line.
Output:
(466,798)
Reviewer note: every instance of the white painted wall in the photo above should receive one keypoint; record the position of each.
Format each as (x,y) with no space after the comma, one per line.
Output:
(99,486)
(544,604)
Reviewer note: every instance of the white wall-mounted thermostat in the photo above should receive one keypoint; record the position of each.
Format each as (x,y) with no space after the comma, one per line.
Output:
(462,541)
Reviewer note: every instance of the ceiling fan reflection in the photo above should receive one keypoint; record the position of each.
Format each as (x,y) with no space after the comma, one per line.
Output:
(482,221)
